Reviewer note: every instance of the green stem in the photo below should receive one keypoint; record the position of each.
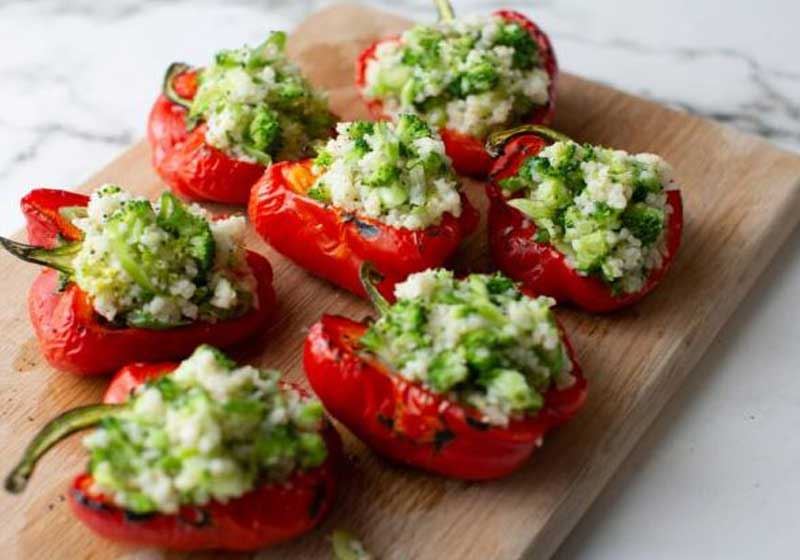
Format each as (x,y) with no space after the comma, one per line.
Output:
(497,141)
(445,9)
(167,88)
(59,258)
(56,430)
(370,278)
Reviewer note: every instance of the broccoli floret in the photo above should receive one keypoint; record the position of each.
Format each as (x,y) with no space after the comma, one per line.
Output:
(478,347)
(644,222)
(384,176)
(510,386)
(319,193)
(422,47)
(410,127)
(175,218)
(478,78)
(446,370)
(265,130)
(526,50)
(499,283)
(590,250)
(126,224)
(359,129)
(324,158)
(312,449)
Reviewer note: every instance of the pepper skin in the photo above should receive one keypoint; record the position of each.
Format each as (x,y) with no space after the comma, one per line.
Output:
(333,244)
(268,514)
(541,268)
(187,164)
(469,156)
(45,224)
(409,424)
(75,339)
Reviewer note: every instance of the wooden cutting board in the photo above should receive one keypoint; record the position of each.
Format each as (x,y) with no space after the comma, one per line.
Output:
(742,199)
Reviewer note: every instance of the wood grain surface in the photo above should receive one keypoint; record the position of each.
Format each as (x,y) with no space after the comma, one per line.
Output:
(742,198)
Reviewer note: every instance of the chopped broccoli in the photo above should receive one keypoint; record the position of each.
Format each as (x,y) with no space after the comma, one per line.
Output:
(129,222)
(526,50)
(265,130)
(410,127)
(175,218)
(324,158)
(384,176)
(359,129)
(446,370)
(511,386)
(319,193)
(644,222)
(478,78)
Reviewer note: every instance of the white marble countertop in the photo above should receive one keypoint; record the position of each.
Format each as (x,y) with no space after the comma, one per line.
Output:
(716,477)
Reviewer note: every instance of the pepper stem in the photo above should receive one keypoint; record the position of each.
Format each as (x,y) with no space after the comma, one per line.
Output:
(445,9)
(370,277)
(169,90)
(497,141)
(54,431)
(59,258)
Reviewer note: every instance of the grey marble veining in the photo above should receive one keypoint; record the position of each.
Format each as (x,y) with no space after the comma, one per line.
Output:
(78,77)
(83,73)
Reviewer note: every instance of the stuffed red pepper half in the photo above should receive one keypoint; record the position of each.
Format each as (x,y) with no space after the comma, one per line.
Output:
(583,224)
(213,130)
(198,455)
(467,77)
(458,377)
(379,192)
(129,279)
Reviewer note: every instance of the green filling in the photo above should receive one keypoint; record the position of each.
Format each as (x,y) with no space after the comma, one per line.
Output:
(605,210)
(437,65)
(479,339)
(258,106)
(397,173)
(207,431)
(155,267)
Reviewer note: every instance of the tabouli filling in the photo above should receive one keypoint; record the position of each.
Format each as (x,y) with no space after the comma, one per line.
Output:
(160,265)
(605,210)
(474,75)
(479,340)
(207,431)
(257,105)
(395,173)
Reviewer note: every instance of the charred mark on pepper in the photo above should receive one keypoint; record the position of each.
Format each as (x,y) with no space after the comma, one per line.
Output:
(320,491)
(83,499)
(477,424)
(368,231)
(442,438)
(386,421)
(198,518)
(133,517)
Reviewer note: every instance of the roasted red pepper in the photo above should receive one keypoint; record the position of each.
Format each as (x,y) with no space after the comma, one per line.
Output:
(74,338)
(409,424)
(541,268)
(467,152)
(183,159)
(269,514)
(333,244)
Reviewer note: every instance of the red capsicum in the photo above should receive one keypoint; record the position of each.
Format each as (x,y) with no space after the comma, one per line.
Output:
(540,267)
(183,159)
(74,338)
(468,152)
(333,244)
(407,423)
(266,515)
